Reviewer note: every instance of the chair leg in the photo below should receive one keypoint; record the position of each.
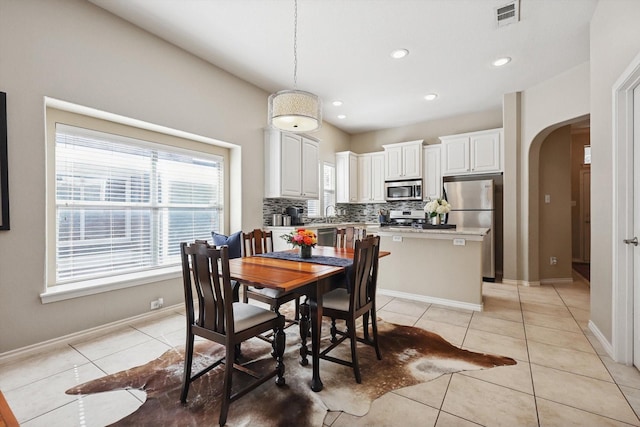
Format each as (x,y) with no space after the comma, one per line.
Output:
(351,330)
(228,372)
(278,348)
(365,325)
(245,297)
(297,316)
(186,374)
(374,328)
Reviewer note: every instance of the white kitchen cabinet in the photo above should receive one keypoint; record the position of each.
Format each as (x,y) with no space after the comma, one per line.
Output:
(403,160)
(371,178)
(432,175)
(346,177)
(291,165)
(472,153)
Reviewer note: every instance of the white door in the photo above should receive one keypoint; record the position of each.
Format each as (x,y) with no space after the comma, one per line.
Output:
(636,226)
(585,215)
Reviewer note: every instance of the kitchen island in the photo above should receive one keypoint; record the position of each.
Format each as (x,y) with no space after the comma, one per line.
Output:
(440,266)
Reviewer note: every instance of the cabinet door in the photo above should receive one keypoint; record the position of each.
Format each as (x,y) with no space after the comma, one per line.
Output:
(353,178)
(310,172)
(377,178)
(455,156)
(291,171)
(485,152)
(364,179)
(393,163)
(412,161)
(342,178)
(432,177)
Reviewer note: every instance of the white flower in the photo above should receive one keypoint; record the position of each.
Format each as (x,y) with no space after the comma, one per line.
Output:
(437,207)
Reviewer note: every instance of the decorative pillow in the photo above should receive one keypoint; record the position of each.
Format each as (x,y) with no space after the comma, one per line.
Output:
(234,242)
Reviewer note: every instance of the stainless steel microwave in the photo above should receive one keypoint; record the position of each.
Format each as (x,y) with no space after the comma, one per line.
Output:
(403,190)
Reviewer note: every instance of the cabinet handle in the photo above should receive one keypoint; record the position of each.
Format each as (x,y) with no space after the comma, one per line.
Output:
(633,241)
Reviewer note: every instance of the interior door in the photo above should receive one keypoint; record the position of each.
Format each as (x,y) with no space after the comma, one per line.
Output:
(636,227)
(585,214)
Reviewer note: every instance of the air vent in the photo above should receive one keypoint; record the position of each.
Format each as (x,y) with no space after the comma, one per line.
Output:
(508,14)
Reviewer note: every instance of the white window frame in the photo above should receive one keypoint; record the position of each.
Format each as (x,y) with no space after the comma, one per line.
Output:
(178,140)
(321,203)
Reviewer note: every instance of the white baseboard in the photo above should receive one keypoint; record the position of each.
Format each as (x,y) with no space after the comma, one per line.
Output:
(520,282)
(431,300)
(79,336)
(606,345)
(560,280)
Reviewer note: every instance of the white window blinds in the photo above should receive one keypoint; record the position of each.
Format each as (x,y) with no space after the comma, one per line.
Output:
(124,205)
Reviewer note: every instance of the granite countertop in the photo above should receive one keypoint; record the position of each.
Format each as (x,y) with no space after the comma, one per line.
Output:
(472,233)
(324,225)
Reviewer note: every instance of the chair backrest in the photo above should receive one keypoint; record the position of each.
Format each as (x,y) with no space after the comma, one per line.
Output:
(257,242)
(365,272)
(347,236)
(206,269)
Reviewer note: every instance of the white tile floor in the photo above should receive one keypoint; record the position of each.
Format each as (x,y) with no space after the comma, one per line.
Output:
(562,378)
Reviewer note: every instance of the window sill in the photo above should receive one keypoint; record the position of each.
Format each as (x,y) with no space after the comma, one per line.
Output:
(107,284)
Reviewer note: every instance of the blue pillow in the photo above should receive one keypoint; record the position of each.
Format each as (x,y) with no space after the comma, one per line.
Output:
(234,242)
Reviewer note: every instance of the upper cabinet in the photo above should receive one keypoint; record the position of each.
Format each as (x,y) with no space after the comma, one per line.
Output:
(346,177)
(291,165)
(432,175)
(371,178)
(473,152)
(403,160)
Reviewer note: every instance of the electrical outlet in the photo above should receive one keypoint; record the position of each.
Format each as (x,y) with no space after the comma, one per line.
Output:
(156,304)
(553,260)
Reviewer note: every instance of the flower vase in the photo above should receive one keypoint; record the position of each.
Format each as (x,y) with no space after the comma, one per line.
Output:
(305,251)
(435,220)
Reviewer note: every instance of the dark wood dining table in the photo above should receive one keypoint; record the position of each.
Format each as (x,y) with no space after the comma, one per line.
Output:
(306,278)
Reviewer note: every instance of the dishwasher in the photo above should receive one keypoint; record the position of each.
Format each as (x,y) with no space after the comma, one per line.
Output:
(327,236)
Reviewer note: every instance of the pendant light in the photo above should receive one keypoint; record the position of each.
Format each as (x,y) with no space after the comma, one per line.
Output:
(295,110)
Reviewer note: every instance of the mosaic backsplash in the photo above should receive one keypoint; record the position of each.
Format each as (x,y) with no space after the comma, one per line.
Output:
(354,212)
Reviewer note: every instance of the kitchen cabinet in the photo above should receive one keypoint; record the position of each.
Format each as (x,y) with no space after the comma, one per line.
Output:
(472,153)
(346,177)
(403,160)
(432,175)
(371,178)
(291,165)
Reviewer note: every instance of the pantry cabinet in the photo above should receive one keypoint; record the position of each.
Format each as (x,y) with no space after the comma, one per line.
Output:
(371,178)
(403,160)
(291,165)
(346,177)
(432,175)
(472,153)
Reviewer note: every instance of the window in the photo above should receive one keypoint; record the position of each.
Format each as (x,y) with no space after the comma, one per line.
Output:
(318,208)
(123,205)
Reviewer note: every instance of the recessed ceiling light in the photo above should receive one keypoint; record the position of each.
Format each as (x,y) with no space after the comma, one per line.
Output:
(431,96)
(337,103)
(342,116)
(501,61)
(399,53)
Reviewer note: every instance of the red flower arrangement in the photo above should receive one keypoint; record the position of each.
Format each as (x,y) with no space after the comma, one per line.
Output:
(301,237)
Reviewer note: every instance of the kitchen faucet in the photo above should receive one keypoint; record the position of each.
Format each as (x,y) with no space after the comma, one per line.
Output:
(326,215)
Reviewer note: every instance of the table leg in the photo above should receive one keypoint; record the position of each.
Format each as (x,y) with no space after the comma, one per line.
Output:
(304,332)
(315,304)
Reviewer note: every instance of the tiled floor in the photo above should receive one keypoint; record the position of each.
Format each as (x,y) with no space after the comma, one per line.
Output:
(562,378)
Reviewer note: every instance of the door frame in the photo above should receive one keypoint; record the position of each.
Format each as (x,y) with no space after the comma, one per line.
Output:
(584,257)
(622,216)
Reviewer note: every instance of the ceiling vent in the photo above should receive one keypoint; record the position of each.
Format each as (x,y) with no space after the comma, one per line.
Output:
(508,13)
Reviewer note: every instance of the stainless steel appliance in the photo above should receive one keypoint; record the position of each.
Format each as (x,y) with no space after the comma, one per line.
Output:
(327,236)
(404,219)
(473,205)
(296,215)
(403,190)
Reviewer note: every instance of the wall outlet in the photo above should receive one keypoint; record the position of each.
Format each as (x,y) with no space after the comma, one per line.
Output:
(553,260)
(156,304)
(459,242)
(396,238)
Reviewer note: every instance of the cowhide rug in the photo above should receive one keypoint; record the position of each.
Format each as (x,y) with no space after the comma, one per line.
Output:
(409,356)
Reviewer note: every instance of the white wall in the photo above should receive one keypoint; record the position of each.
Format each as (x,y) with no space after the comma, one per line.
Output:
(74,51)
(615,41)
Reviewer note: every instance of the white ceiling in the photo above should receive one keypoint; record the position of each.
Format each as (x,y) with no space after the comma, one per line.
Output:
(344,49)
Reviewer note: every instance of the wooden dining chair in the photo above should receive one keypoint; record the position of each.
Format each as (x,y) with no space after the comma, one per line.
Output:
(351,304)
(219,319)
(347,236)
(259,242)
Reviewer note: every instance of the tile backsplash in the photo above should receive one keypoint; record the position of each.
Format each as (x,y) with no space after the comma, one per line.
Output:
(354,212)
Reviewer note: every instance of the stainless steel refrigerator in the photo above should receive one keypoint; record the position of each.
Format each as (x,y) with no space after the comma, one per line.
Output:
(473,205)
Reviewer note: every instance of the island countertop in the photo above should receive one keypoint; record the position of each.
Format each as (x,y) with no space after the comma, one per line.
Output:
(469,233)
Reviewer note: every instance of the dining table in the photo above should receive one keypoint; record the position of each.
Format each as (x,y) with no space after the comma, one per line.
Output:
(309,277)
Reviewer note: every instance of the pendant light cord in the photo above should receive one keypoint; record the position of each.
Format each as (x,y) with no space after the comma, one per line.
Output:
(295,44)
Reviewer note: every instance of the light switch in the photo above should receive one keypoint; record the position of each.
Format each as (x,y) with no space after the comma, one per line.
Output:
(547,198)
(397,238)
